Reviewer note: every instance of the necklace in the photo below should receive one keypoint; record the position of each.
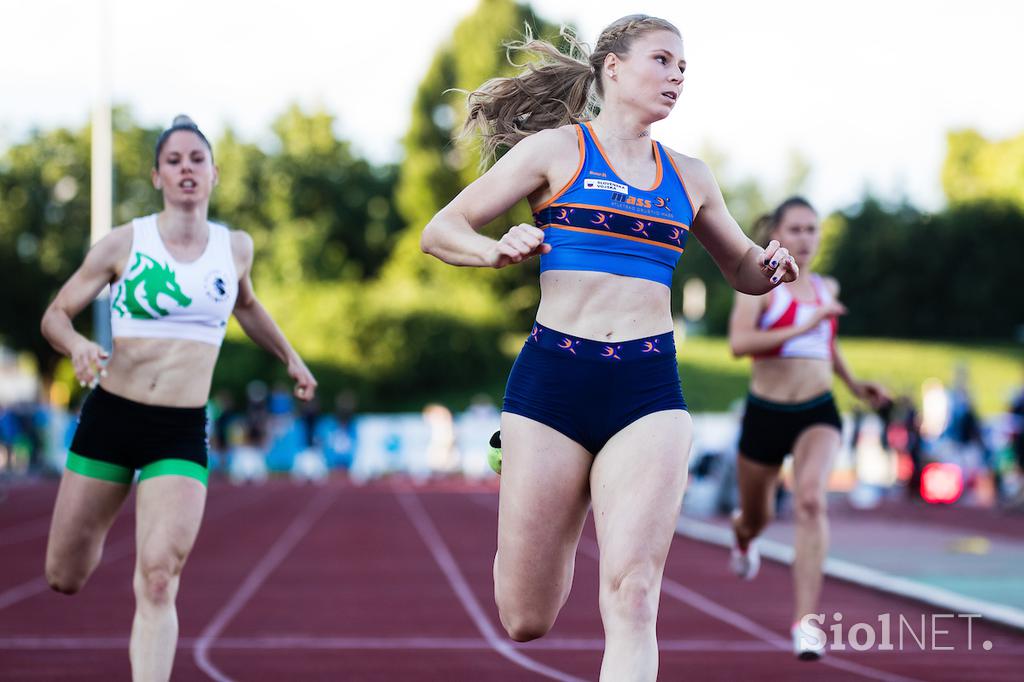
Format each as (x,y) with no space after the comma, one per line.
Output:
(646,132)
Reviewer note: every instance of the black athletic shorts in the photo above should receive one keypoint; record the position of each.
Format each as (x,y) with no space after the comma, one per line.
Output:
(116,436)
(770,429)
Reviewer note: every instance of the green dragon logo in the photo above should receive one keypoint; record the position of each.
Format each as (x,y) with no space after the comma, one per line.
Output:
(147,280)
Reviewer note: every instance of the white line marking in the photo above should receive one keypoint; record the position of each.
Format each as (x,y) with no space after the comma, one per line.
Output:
(111,553)
(418,515)
(868,577)
(683,594)
(274,556)
(289,642)
(687,596)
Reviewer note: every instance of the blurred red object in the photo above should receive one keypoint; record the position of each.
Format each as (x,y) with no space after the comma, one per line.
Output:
(941,483)
(904,467)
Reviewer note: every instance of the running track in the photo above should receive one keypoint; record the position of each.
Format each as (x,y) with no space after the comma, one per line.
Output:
(393,582)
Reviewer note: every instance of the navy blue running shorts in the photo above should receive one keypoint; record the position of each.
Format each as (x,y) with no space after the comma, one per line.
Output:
(590,390)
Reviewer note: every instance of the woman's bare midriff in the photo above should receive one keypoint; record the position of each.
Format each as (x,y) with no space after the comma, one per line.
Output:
(790,380)
(168,372)
(603,307)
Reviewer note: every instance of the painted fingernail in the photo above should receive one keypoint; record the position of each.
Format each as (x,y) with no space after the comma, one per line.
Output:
(775,280)
(774,264)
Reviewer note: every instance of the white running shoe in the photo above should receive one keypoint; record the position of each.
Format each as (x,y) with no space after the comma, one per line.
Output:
(807,646)
(745,564)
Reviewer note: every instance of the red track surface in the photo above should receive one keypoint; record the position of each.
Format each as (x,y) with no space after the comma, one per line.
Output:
(390,582)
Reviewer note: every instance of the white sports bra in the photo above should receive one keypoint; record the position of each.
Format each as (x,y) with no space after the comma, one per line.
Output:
(159,297)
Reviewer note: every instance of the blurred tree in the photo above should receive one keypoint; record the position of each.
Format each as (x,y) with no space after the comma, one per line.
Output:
(44,230)
(317,212)
(241,198)
(435,168)
(747,200)
(910,274)
(979,169)
(134,149)
(326,213)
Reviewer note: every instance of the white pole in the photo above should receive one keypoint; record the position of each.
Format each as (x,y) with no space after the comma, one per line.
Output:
(101,207)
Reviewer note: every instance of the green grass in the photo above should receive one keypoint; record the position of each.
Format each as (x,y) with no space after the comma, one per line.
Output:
(712,378)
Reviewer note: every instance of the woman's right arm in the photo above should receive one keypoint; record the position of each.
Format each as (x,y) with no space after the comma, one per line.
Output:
(101,266)
(451,235)
(746,338)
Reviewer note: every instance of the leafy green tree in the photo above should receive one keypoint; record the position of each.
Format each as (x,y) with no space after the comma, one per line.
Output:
(317,212)
(44,230)
(979,169)
(328,213)
(910,274)
(747,201)
(436,168)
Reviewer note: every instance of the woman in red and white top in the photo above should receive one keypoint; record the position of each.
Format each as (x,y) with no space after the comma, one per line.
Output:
(791,335)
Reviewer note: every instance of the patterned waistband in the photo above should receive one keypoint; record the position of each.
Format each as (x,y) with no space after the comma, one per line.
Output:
(574,346)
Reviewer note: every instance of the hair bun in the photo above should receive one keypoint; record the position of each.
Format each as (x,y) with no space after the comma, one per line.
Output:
(183,120)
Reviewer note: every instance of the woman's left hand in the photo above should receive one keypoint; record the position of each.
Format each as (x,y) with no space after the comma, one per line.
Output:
(777,265)
(872,393)
(305,384)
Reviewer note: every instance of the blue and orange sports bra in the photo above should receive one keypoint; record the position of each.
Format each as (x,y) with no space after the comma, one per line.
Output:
(599,223)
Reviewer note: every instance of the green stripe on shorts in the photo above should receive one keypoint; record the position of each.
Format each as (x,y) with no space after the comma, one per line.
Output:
(174,467)
(94,468)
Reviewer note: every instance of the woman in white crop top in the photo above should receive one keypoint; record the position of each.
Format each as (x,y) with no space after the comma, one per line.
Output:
(790,334)
(175,279)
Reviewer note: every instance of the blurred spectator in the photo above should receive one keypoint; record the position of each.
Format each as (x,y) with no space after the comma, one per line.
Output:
(963,428)
(1017,410)
(22,429)
(934,409)
(442,456)
(256,402)
(1017,443)
(309,415)
(247,461)
(334,433)
(473,429)
(280,401)
(904,436)
(223,414)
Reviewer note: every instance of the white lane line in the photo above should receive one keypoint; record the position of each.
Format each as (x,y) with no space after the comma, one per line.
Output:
(30,588)
(111,553)
(687,596)
(290,642)
(273,557)
(868,577)
(432,538)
